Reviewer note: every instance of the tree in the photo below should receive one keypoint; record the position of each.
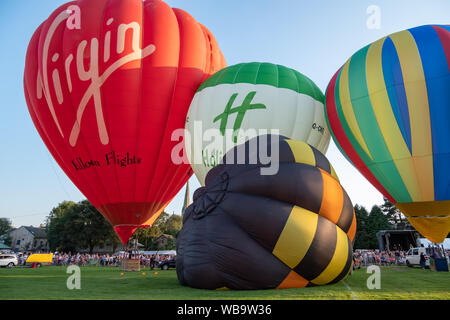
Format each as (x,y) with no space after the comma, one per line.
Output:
(379,220)
(72,226)
(95,230)
(170,244)
(362,237)
(8,241)
(173,225)
(368,224)
(164,224)
(394,215)
(60,235)
(5,226)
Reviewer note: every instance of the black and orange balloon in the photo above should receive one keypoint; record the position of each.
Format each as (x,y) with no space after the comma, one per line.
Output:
(246,230)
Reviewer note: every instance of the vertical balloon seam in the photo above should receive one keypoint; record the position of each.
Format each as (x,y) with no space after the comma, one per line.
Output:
(207,40)
(346,115)
(393,78)
(310,132)
(31,106)
(297,107)
(157,205)
(417,97)
(396,96)
(177,169)
(321,161)
(347,268)
(207,67)
(315,94)
(337,262)
(321,247)
(325,139)
(318,164)
(386,120)
(382,160)
(34,44)
(107,124)
(344,140)
(278,79)
(352,86)
(290,252)
(341,120)
(344,107)
(327,119)
(168,110)
(443,192)
(240,71)
(332,198)
(28,97)
(435,66)
(179,15)
(43,134)
(139,111)
(263,76)
(346,215)
(99,195)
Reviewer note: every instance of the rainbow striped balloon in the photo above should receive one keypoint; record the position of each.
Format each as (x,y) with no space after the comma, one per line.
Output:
(388,109)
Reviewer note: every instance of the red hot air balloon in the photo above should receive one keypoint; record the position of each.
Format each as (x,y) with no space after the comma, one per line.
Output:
(106,83)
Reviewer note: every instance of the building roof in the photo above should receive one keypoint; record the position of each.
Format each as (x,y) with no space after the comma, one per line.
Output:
(37,232)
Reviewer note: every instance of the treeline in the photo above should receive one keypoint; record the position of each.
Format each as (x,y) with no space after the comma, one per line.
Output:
(5,227)
(73,226)
(384,217)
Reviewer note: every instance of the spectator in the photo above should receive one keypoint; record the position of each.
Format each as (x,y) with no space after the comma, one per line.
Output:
(422,261)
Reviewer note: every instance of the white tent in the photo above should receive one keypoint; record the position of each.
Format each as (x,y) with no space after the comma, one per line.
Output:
(426,242)
(171,252)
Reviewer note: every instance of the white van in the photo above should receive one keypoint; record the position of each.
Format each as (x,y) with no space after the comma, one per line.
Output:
(8,260)
(413,256)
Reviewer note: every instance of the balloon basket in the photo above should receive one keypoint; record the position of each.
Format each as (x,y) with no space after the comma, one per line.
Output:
(130,265)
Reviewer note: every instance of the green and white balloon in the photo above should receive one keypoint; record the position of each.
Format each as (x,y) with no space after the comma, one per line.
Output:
(249,99)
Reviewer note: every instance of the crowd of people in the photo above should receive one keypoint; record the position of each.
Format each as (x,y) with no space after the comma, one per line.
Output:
(86,259)
(377,257)
(363,258)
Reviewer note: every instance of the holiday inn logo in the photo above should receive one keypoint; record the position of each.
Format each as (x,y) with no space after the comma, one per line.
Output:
(240,110)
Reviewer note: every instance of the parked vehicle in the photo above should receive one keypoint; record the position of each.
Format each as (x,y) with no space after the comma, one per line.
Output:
(40,259)
(166,264)
(8,260)
(413,256)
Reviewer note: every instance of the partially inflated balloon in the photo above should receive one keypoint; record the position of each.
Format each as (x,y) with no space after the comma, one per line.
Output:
(249,230)
(241,101)
(388,110)
(106,83)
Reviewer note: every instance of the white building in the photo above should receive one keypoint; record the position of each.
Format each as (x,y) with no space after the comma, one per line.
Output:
(29,239)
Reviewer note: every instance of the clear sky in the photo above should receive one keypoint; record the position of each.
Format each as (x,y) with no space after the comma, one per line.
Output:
(313,37)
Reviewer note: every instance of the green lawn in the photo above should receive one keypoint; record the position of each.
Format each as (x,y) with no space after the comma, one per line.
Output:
(107,283)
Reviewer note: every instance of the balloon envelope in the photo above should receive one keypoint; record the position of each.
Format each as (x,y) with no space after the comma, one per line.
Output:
(106,83)
(249,99)
(388,109)
(249,230)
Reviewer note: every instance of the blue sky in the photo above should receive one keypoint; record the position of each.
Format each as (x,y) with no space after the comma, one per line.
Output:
(313,37)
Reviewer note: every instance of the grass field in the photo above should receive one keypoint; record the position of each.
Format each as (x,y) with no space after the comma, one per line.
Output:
(108,283)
